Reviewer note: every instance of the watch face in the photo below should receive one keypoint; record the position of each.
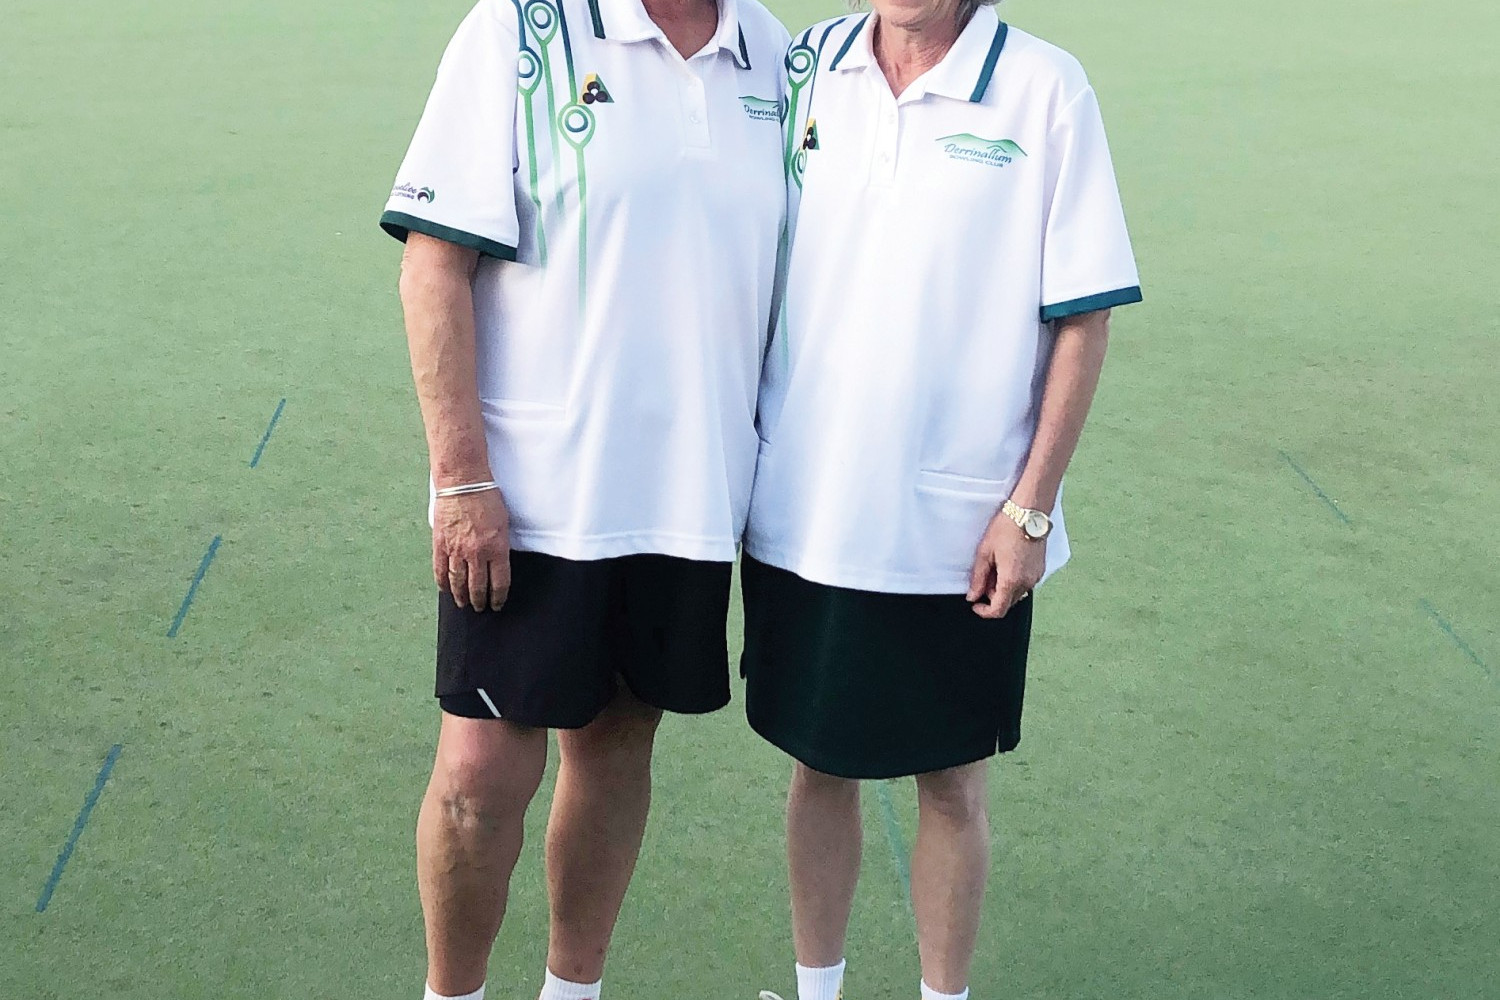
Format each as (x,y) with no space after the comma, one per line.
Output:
(1037,524)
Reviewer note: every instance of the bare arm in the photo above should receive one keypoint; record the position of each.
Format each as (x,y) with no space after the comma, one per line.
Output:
(1072,377)
(470,534)
(1008,564)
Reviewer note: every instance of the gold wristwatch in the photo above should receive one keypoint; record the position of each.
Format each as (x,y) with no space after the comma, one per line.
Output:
(1036,524)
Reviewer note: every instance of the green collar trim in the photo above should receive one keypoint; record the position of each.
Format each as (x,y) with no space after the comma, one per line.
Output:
(1001,31)
(848,42)
(597,17)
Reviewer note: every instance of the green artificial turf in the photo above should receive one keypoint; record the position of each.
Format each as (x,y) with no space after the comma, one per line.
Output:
(1260,755)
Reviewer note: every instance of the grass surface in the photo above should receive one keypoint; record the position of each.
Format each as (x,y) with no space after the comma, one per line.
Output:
(1261,738)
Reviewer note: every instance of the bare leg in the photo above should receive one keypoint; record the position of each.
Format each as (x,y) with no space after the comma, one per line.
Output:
(823,841)
(949,867)
(594,835)
(469,835)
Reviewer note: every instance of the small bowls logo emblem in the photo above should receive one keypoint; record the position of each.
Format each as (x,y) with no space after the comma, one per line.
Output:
(810,136)
(594,91)
(427,195)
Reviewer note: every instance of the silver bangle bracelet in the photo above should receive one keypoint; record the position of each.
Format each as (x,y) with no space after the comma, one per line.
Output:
(465,489)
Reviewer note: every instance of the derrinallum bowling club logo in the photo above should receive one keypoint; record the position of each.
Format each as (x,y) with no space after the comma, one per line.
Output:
(971,148)
(762,110)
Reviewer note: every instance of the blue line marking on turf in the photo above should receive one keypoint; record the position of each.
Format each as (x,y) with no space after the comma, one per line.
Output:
(1332,505)
(261,448)
(187,602)
(894,838)
(83,818)
(1458,641)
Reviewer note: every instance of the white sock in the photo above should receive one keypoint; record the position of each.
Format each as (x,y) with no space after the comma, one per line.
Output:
(432,994)
(928,993)
(554,988)
(820,984)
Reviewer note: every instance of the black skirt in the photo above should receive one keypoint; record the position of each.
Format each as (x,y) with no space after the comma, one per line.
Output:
(859,684)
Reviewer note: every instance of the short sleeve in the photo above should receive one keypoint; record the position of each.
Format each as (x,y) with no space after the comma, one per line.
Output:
(456,183)
(1087,262)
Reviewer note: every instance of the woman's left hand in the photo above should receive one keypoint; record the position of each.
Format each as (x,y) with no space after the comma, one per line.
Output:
(1007,566)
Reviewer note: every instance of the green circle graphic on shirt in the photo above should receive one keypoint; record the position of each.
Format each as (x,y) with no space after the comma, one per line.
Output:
(529,72)
(799,64)
(542,17)
(577,124)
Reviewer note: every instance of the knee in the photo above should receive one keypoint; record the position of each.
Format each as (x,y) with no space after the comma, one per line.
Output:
(959,796)
(812,783)
(481,787)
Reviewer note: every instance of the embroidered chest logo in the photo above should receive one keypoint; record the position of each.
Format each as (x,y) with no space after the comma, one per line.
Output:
(594,91)
(810,135)
(971,148)
(761,110)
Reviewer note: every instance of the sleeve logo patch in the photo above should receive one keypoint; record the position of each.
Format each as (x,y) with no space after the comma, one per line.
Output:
(761,110)
(971,148)
(412,193)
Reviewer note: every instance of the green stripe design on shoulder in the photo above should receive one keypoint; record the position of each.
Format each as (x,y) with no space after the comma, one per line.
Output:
(802,61)
(801,64)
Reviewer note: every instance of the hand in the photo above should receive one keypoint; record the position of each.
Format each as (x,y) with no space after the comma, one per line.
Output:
(471,549)
(1006,567)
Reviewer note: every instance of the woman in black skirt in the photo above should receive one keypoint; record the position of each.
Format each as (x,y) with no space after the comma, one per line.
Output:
(957,245)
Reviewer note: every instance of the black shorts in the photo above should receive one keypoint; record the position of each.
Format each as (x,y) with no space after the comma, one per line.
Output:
(569,631)
(868,685)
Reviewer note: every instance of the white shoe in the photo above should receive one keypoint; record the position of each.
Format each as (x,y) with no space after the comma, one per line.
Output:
(768,995)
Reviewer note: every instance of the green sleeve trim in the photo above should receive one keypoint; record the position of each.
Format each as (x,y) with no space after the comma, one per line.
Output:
(996,45)
(400,225)
(1092,303)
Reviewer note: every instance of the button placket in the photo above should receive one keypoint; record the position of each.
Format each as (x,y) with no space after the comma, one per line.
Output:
(887,143)
(693,97)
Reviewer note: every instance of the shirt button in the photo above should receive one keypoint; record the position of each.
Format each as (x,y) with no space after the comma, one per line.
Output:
(694,118)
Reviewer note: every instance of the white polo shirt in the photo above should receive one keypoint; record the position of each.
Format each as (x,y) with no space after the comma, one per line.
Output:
(935,237)
(628,205)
